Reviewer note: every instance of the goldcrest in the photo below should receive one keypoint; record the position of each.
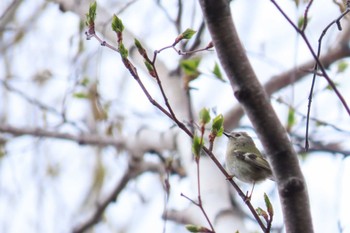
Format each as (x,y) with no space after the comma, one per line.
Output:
(244,160)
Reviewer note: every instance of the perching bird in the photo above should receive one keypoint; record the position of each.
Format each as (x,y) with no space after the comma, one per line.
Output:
(244,160)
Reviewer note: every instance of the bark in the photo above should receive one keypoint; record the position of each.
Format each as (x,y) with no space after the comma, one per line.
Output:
(254,100)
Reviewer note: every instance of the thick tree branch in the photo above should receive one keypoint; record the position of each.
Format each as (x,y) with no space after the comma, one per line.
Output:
(250,93)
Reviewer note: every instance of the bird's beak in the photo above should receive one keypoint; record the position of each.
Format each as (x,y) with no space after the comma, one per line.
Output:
(226,134)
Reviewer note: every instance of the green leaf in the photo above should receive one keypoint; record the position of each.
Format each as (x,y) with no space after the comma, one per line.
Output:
(217,125)
(197,146)
(217,72)
(81,95)
(137,44)
(85,81)
(291,118)
(188,33)
(150,69)
(342,66)
(195,228)
(204,116)
(2,150)
(262,213)
(320,123)
(330,88)
(139,47)
(301,22)
(303,155)
(192,228)
(297,2)
(190,66)
(123,51)
(117,24)
(90,17)
(268,204)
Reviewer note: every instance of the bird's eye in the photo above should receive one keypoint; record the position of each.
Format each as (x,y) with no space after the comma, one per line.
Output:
(237,135)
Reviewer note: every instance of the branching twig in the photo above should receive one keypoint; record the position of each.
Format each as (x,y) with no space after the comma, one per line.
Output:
(336,21)
(315,120)
(199,196)
(305,15)
(39,104)
(318,64)
(236,187)
(130,174)
(171,114)
(284,79)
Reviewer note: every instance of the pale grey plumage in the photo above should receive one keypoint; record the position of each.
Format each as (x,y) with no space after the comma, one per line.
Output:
(243,159)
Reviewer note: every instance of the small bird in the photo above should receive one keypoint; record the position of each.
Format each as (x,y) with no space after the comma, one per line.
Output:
(244,160)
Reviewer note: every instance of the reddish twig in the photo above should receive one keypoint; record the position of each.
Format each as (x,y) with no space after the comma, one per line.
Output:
(170,113)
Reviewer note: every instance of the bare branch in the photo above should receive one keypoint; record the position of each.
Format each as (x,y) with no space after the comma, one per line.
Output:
(132,172)
(39,104)
(318,64)
(83,139)
(295,74)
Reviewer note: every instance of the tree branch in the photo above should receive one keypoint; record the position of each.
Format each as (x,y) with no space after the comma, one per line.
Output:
(83,139)
(132,172)
(295,74)
(250,93)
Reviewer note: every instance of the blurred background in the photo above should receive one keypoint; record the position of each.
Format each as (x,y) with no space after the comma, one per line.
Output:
(83,150)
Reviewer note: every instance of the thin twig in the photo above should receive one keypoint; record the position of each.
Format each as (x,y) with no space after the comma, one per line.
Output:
(315,72)
(200,203)
(305,15)
(314,119)
(39,104)
(130,174)
(173,117)
(318,64)
(269,224)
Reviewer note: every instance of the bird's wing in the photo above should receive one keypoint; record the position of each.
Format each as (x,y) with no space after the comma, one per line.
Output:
(253,159)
